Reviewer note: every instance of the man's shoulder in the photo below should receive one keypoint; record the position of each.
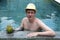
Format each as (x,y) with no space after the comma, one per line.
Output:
(38,20)
(25,18)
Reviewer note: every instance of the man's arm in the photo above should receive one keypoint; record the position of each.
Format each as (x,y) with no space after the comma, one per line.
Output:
(47,31)
(21,27)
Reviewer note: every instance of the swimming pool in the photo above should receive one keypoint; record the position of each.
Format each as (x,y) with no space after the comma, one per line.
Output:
(12,12)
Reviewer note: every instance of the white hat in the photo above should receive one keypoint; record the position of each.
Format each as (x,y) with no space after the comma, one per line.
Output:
(31,6)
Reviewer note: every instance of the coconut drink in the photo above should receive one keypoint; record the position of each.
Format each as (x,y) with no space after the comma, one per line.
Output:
(9,29)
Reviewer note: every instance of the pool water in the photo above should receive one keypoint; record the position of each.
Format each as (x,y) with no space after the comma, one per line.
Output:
(13,11)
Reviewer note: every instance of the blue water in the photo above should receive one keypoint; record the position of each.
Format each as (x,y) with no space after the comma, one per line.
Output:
(12,12)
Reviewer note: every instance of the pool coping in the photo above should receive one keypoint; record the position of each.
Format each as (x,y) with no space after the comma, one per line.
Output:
(22,35)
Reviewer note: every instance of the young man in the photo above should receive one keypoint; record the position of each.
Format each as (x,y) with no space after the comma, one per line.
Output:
(31,23)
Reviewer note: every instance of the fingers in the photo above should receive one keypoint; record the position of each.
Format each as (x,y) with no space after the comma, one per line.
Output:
(32,35)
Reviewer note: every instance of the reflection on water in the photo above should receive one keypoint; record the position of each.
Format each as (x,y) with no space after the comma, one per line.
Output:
(53,21)
(6,21)
(57,23)
(50,23)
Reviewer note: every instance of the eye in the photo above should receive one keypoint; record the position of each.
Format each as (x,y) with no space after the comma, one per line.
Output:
(28,12)
(32,12)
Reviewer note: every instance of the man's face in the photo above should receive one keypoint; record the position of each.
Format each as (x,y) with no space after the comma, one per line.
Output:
(30,14)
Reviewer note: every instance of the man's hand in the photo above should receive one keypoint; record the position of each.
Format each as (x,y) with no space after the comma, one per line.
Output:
(32,34)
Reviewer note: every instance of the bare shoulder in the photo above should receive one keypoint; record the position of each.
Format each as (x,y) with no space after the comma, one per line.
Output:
(43,25)
(38,20)
(24,19)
